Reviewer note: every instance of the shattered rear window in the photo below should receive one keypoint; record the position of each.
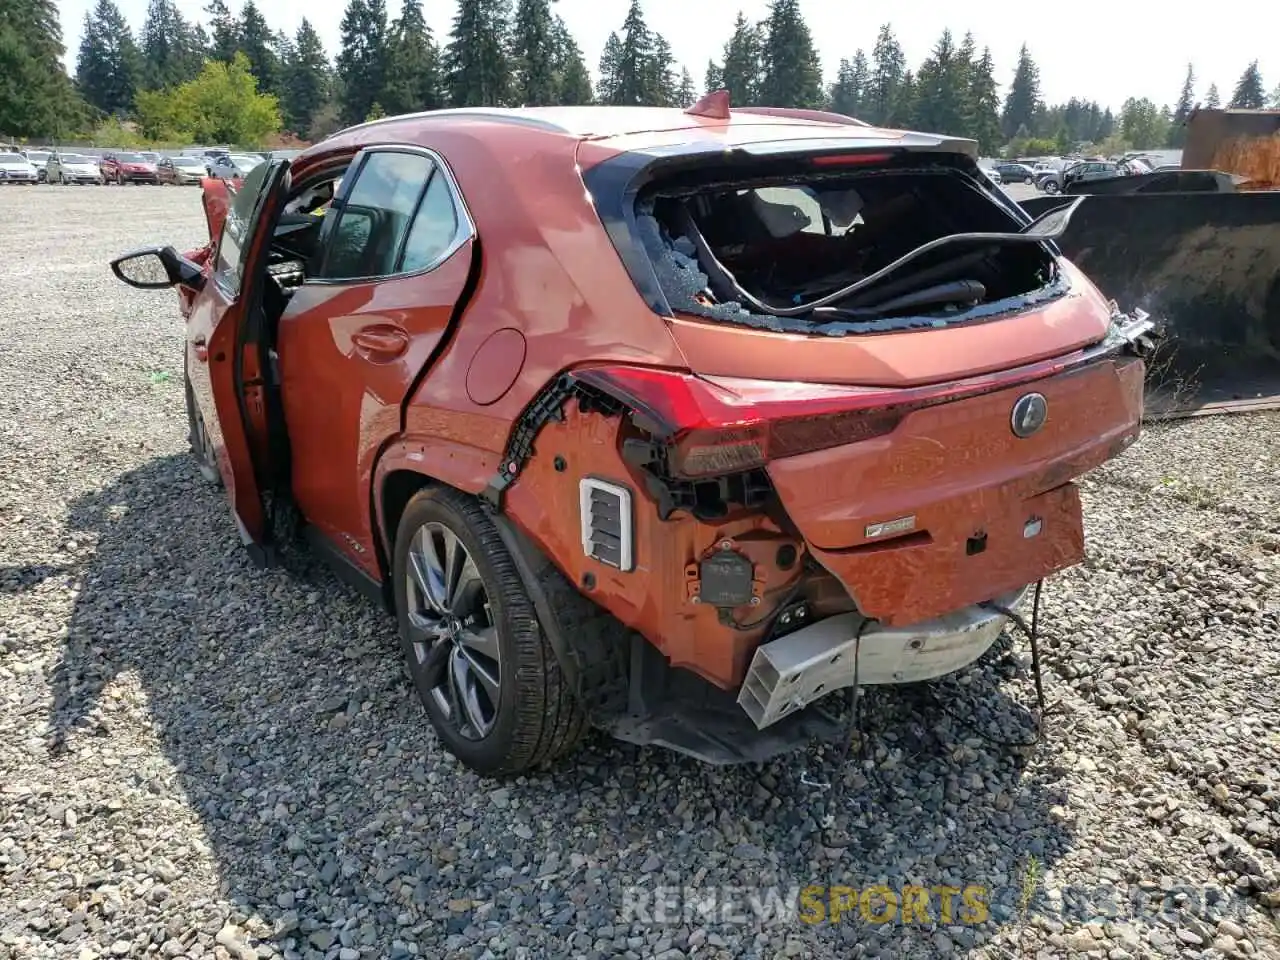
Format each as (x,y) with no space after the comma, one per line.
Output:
(738,251)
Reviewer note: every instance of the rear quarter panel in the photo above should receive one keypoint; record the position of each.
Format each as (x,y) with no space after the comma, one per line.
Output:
(548,274)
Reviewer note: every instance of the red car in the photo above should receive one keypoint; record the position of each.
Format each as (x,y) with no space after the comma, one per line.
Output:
(670,422)
(124,168)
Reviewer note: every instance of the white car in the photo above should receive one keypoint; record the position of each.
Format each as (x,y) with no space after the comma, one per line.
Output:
(15,168)
(38,158)
(232,166)
(993,175)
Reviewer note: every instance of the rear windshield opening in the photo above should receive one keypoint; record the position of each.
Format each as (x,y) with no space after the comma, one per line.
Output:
(782,253)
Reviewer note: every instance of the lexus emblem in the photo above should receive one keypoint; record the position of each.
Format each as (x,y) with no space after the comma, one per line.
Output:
(1029,414)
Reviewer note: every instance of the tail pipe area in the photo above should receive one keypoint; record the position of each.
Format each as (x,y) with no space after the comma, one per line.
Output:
(788,674)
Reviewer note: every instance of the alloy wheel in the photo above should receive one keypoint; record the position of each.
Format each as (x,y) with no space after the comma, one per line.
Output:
(455,652)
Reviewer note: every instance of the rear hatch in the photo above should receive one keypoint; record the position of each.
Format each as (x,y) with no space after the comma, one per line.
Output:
(867,325)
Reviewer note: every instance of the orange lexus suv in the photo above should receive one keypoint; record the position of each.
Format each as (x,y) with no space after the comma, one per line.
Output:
(671,423)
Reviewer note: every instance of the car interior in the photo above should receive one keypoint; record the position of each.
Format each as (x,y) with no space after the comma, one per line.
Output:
(785,241)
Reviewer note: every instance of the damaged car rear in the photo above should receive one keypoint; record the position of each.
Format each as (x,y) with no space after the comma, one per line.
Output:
(893,379)
(687,422)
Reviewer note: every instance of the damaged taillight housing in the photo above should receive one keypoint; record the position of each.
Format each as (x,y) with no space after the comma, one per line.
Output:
(723,426)
(713,426)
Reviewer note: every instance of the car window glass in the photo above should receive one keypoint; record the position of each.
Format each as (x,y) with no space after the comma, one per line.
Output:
(375,216)
(235,231)
(434,227)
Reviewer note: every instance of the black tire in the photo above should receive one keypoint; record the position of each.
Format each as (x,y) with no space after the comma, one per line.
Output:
(1051,186)
(537,718)
(201,451)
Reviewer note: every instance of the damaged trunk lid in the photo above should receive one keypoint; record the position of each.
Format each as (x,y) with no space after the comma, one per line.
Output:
(885,263)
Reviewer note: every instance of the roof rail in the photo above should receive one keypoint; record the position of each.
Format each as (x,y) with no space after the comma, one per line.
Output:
(798,113)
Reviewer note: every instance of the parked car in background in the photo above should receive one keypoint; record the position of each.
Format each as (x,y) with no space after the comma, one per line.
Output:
(992,174)
(73,168)
(39,159)
(122,168)
(181,170)
(15,168)
(1016,173)
(629,520)
(233,166)
(1078,173)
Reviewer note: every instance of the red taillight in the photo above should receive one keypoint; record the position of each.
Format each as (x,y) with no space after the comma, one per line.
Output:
(717,428)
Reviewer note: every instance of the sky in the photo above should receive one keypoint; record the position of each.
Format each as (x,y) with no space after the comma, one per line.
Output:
(1142,52)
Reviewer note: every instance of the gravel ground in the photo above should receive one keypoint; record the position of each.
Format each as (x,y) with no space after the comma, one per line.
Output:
(201,759)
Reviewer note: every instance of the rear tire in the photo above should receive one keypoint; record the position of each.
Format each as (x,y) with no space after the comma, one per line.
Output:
(1051,186)
(478,657)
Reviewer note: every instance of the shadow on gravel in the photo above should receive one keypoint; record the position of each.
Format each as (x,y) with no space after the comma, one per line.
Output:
(335,820)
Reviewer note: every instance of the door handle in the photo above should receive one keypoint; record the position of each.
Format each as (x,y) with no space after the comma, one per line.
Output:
(201,348)
(380,343)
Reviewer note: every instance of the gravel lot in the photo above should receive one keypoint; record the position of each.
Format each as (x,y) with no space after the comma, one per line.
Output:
(200,759)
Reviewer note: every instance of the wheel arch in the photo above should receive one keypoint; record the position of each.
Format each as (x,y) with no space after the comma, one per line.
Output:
(410,464)
(403,472)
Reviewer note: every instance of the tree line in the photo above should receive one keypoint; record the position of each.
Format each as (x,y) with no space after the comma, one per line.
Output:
(234,78)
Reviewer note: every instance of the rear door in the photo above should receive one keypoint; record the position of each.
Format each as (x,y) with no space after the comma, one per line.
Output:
(223,355)
(394,258)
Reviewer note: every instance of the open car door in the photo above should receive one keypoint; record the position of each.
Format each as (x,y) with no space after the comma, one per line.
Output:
(240,376)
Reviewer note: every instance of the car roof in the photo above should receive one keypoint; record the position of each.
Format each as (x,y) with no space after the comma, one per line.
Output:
(628,128)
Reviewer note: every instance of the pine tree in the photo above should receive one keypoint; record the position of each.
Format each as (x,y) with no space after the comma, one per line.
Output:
(109,66)
(1023,101)
(476,71)
(607,89)
(1186,103)
(1275,98)
(573,81)
(742,69)
(307,80)
(533,55)
(224,39)
(413,65)
(942,89)
(36,95)
(258,43)
(633,74)
(687,91)
(845,94)
(888,66)
(965,64)
(1212,99)
(171,53)
(792,70)
(1249,93)
(861,81)
(902,112)
(660,77)
(362,62)
(984,104)
(713,77)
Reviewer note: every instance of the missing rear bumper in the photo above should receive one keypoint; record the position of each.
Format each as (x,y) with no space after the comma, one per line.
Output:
(788,674)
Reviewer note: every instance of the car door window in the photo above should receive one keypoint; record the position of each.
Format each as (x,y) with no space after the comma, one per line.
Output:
(237,229)
(434,227)
(398,216)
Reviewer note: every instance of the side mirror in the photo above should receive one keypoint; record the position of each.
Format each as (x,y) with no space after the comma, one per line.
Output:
(155,268)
